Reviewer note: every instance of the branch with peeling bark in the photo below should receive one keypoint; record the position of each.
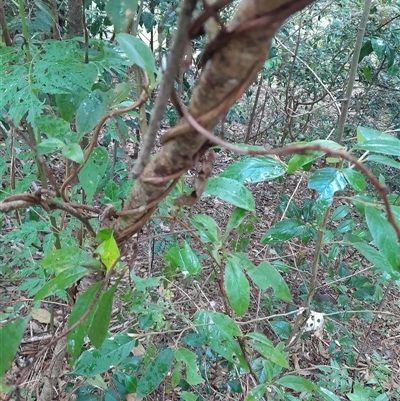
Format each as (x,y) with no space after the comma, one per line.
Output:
(231,67)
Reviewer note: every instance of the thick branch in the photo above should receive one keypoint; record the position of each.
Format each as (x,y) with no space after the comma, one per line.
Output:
(230,69)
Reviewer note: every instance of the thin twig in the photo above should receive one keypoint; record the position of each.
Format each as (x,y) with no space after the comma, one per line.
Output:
(175,55)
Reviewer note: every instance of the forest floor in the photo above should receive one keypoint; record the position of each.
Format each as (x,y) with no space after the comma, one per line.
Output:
(364,347)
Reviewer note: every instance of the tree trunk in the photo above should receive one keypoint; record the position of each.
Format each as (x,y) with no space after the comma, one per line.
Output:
(234,58)
(75,9)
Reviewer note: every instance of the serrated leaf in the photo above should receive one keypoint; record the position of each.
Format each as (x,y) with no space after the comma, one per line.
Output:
(296,383)
(71,75)
(283,231)
(230,191)
(98,327)
(93,171)
(73,152)
(112,352)
(355,179)
(10,337)
(327,181)
(254,169)
(384,236)
(189,358)
(237,287)
(77,336)
(266,276)
(138,53)
(155,372)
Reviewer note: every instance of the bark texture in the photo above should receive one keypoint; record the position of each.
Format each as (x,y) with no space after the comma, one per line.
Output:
(234,58)
(75,26)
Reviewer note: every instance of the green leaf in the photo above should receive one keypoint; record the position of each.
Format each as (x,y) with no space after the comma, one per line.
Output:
(378,142)
(68,103)
(62,281)
(155,373)
(384,236)
(98,328)
(112,352)
(54,127)
(366,50)
(189,358)
(121,12)
(367,134)
(225,324)
(296,383)
(302,160)
(207,228)
(216,328)
(91,109)
(283,231)
(386,161)
(384,146)
(66,258)
(254,169)
(340,213)
(73,152)
(256,393)
(176,375)
(372,255)
(10,337)
(326,395)
(93,171)
(77,336)
(345,226)
(142,283)
(185,258)
(138,53)
(48,146)
(108,249)
(281,328)
(266,276)
(266,348)
(355,179)
(237,287)
(236,218)
(327,181)
(186,396)
(230,191)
